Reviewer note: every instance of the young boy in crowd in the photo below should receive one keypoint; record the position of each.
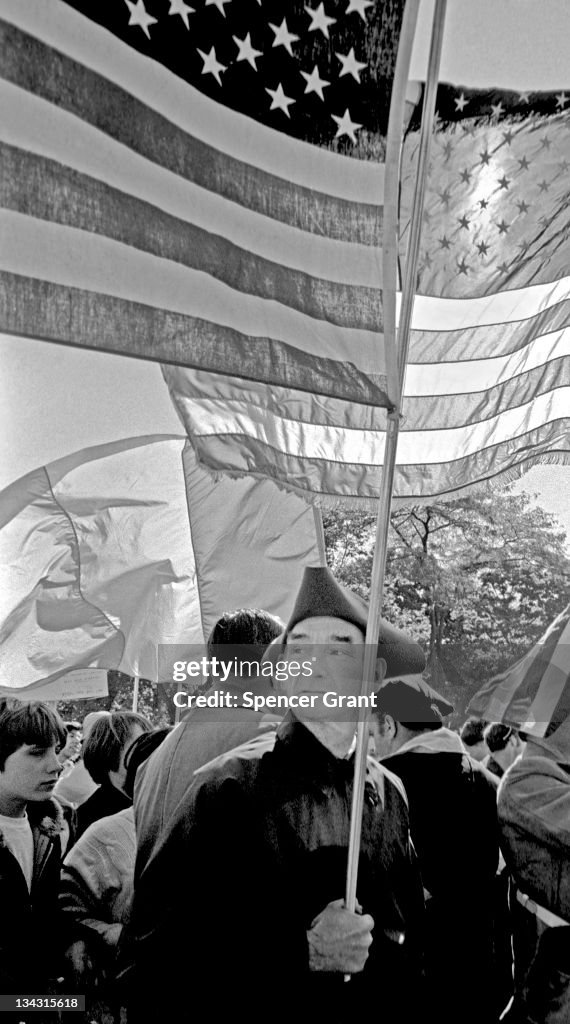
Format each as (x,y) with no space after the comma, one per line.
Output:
(31,827)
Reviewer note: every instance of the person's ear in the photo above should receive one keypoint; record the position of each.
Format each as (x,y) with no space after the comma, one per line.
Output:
(380,670)
(391,726)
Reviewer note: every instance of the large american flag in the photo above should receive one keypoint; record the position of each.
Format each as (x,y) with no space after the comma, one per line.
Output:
(203,185)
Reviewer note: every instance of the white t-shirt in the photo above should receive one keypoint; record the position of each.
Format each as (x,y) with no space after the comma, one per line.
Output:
(18,837)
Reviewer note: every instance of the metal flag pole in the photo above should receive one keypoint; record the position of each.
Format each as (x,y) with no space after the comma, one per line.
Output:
(393,151)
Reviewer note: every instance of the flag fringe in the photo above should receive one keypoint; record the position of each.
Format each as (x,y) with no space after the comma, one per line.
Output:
(498,481)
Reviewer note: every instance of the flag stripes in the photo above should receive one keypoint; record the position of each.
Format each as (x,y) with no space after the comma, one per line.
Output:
(141,216)
(534,694)
(56,312)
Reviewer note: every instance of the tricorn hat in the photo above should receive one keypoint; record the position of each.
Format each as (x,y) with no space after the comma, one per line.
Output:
(321,594)
(411,699)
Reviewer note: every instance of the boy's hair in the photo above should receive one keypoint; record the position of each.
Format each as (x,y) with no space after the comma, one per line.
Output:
(139,752)
(243,636)
(105,743)
(31,723)
(472,731)
(497,735)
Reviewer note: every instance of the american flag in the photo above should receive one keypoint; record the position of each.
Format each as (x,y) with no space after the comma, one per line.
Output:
(203,185)
(533,695)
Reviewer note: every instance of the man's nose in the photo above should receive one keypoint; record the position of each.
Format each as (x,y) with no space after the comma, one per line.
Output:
(55,766)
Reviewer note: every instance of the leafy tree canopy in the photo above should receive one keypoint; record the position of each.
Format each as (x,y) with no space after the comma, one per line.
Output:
(476,580)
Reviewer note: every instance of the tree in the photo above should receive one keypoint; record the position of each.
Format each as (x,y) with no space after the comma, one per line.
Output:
(154,702)
(476,580)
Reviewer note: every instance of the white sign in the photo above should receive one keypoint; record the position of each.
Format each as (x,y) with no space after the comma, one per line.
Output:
(79,684)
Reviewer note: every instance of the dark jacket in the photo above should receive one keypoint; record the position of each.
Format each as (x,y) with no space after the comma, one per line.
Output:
(256,850)
(106,800)
(30,934)
(534,812)
(453,821)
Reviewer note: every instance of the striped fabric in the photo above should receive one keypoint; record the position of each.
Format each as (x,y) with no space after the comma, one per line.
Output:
(533,695)
(141,215)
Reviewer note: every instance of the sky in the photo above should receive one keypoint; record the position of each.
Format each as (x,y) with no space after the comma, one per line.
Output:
(55,400)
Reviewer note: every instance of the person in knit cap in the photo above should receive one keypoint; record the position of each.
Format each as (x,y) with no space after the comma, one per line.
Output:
(258,849)
(453,820)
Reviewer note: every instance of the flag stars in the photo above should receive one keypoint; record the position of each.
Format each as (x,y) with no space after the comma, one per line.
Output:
(460,102)
(482,248)
(463,267)
(561,100)
(314,82)
(503,182)
(246,51)
(543,186)
(508,136)
(485,157)
(463,222)
(350,65)
(179,7)
(283,37)
(445,196)
(503,227)
(564,167)
(545,142)
(345,126)
(448,149)
(503,268)
(444,242)
(319,19)
(138,16)
(524,97)
(522,206)
(359,7)
(524,164)
(219,4)
(279,101)
(465,176)
(497,109)
(212,66)
(483,203)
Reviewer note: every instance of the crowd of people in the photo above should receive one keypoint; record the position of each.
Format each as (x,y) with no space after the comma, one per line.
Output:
(159,872)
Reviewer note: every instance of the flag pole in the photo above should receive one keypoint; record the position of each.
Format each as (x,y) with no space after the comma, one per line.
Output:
(393,151)
(136,693)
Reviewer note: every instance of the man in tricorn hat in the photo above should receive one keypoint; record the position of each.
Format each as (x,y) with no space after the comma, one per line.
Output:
(258,848)
(453,821)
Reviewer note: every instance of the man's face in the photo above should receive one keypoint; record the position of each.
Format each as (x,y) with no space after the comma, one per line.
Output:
(381,737)
(30,773)
(335,650)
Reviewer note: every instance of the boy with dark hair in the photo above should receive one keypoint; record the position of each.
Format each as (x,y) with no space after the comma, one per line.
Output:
(103,756)
(31,825)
